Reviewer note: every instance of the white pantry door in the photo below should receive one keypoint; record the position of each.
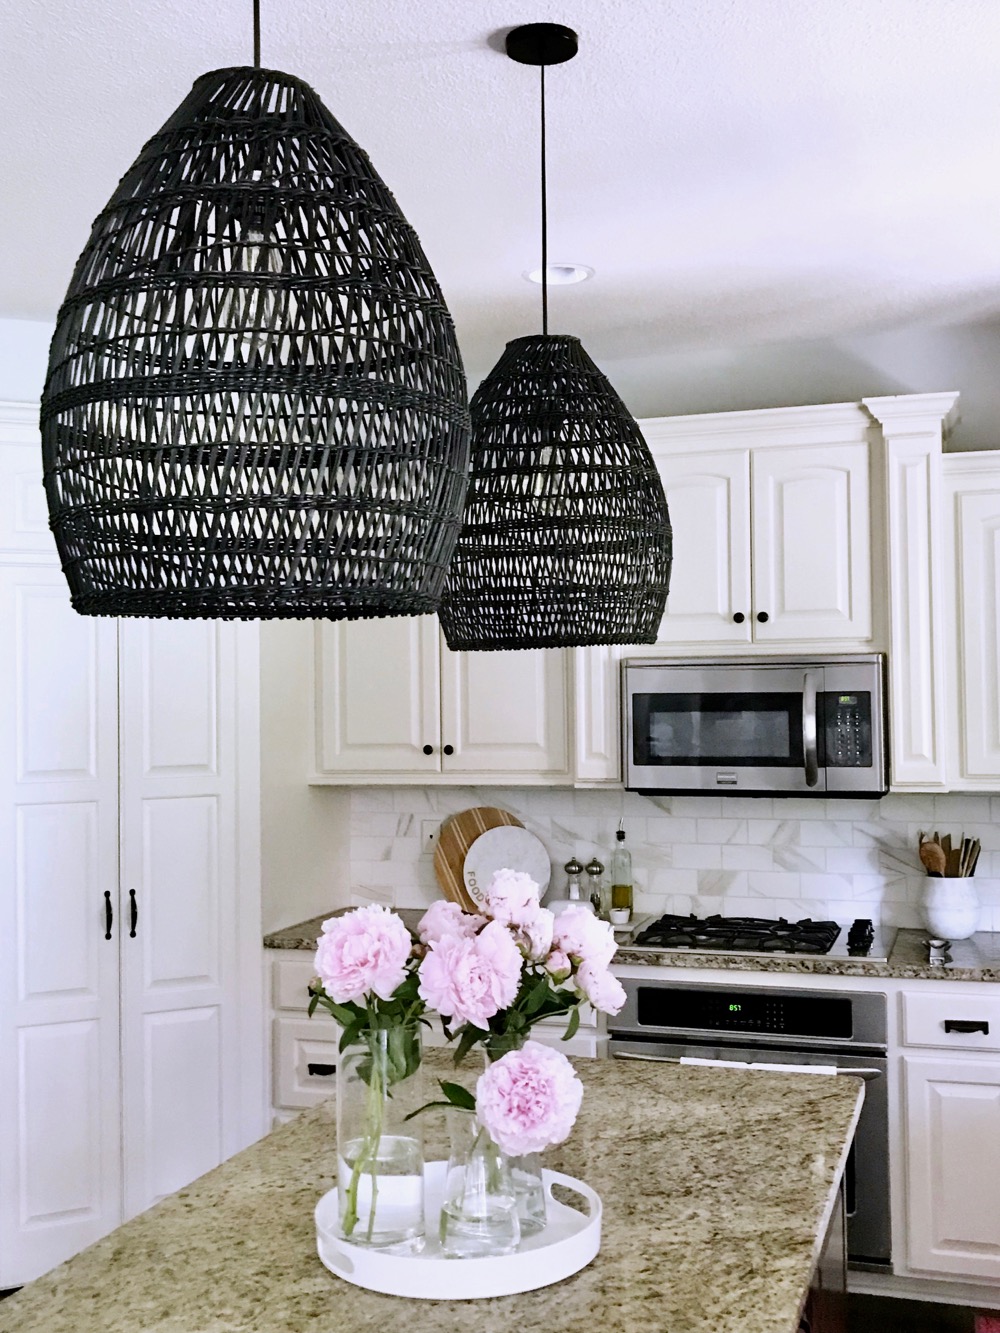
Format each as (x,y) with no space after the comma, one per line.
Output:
(59,1070)
(179,895)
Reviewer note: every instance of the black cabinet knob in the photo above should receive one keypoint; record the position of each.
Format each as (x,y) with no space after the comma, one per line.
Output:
(448,749)
(739,617)
(428,749)
(763,617)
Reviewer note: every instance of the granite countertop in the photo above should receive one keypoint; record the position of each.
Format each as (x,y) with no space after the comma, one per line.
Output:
(977,959)
(717,1187)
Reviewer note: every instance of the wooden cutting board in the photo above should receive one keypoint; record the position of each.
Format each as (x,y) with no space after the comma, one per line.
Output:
(458,833)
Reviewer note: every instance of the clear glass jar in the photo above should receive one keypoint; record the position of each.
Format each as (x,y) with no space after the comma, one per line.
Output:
(479,1215)
(380,1156)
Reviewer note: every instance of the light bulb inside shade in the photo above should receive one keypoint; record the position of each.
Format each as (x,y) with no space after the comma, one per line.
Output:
(561,275)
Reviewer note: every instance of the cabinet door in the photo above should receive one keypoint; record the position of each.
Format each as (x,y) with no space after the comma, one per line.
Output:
(181,889)
(504,713)
(811,543)
(59,1070)
(708,495)
(378,696)
(953,1166)
(978,565)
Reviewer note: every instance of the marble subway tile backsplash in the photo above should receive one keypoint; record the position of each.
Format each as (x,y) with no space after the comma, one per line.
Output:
(736,855)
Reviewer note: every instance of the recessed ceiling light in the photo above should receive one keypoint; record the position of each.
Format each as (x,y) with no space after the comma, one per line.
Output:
(561,275)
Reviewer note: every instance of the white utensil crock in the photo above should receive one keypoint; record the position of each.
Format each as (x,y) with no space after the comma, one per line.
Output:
(951,907)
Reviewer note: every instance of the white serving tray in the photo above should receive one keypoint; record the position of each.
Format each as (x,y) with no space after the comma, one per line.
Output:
(567,1243)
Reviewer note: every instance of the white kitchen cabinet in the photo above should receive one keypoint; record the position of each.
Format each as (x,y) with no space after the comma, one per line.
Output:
(972,490)
(393,704)
(950,1084)
(772,527)
(953,1165)
(130,990)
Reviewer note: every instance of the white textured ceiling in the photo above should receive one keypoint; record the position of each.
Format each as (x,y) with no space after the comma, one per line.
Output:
(737,171)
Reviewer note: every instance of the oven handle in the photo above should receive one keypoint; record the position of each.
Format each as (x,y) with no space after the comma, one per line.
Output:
(869,1075)
(809,740)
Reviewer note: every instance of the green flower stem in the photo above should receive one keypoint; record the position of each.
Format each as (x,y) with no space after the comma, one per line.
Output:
(367,1156)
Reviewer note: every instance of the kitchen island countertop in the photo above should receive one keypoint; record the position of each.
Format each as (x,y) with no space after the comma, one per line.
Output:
(717,1187)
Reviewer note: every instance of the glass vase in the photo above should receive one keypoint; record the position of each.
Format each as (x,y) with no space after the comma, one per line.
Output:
(380,1157)
(526,1172)
(479,1212)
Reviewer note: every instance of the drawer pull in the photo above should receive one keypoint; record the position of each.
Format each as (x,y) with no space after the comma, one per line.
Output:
(967,1025)
(320,1071)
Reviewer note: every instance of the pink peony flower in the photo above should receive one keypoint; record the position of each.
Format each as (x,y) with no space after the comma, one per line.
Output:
(529,1099)
(558,965)
(362,952)
(468,980)
(447,918)
(511,897)
(534,934)
(604,991)
(583,937)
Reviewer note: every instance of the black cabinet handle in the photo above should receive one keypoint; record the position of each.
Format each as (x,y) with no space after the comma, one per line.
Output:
(109,915)
(967,1025)
(739,617)
(428,749)
(763,617)
(320,1071)
(448,749)
(133,913)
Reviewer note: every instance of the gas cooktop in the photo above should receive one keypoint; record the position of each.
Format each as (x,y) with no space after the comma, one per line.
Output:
(759,935)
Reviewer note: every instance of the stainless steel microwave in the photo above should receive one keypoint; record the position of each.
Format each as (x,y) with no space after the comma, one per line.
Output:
(810,726)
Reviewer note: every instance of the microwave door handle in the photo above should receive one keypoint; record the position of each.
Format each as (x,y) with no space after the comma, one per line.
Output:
(809,742)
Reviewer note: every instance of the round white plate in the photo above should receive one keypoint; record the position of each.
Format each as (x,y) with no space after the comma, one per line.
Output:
(505,848)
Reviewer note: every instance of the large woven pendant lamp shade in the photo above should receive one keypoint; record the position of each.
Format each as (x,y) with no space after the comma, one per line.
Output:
(255,404)
(566,538)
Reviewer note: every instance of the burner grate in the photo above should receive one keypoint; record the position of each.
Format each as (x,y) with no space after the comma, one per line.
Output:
(740,934)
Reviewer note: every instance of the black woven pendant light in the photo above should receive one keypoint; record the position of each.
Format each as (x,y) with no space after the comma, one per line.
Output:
(255,404)
(566,538)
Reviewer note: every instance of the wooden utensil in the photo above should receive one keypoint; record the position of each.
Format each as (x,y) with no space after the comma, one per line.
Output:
(457,835)
(933,858)
(974,855)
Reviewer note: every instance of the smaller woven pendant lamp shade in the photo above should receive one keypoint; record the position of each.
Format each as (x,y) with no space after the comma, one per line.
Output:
(255,404)
(566,539)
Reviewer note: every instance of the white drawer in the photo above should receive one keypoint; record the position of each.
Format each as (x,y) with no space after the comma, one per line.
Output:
(290,983)
(966,1022)
(305,1060)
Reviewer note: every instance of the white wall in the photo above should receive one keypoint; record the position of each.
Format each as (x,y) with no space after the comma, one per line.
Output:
(24,355)
(304,830)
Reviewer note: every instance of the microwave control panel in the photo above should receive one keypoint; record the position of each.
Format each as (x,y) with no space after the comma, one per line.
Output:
(847,729)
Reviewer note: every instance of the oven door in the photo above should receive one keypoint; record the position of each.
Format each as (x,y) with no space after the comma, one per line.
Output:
(749,728)
(866,1178)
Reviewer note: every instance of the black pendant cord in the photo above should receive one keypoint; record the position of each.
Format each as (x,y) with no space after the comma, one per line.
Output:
(545,225)
(256,34)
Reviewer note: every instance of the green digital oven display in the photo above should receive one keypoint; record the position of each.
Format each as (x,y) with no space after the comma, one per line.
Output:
(735,1008)
(850,699)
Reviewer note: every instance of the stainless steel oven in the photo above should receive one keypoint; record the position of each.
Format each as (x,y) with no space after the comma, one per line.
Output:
(776,726)
(846,1031)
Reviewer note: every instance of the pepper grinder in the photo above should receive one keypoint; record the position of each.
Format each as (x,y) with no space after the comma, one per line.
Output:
(598,893)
